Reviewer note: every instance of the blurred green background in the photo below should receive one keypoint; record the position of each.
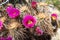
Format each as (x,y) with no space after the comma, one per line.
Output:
(56,3)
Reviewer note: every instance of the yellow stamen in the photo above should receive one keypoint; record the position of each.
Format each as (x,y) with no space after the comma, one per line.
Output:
(29,22)
(54,18)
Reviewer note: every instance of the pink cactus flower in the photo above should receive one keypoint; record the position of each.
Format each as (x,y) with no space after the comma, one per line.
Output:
(6,38)
(1,25)
(2,38)
(29,21)
(39,31)
(12,12)
(33,4)
(54,16)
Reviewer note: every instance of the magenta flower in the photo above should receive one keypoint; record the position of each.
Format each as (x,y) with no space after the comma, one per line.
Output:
(6,38)
(33,4)
(1,25)
(39,31)
(29,21)
(9,38)
(12,12)
(2,38)
(54,16)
